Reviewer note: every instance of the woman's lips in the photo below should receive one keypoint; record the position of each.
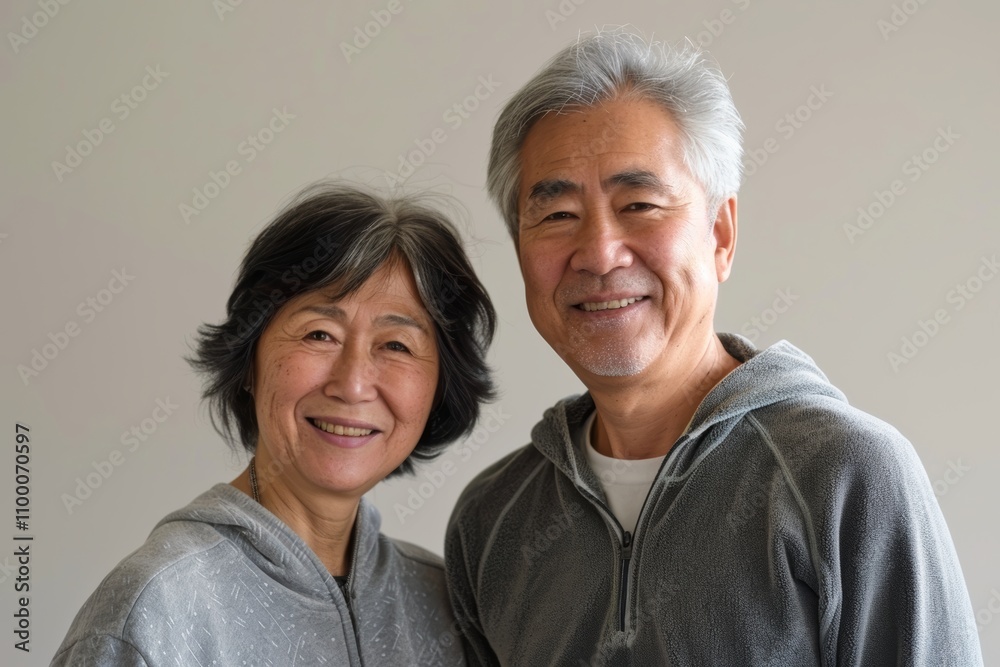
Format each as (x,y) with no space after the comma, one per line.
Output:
(345,433)
(341,429)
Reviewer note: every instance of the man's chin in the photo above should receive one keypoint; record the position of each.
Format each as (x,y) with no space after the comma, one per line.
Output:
(608,363)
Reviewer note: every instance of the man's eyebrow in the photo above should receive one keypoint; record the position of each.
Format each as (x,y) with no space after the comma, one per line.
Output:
(636,179)
(386,320)
(545,191)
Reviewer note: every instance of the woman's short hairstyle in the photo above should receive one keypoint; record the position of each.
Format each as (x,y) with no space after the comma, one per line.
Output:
(613,64)
(336,236)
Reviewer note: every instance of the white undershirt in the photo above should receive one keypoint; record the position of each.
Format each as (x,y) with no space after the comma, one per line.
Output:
(626,482)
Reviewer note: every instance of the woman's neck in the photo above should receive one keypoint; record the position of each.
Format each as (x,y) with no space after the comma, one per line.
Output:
(324,522)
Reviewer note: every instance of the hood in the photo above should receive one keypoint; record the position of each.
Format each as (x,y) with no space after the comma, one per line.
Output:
(764,377)
(275,547)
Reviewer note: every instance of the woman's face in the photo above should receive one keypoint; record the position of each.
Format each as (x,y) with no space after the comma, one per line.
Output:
(343,388)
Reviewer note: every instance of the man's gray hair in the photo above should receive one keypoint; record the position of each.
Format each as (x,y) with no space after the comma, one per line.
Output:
(616,63)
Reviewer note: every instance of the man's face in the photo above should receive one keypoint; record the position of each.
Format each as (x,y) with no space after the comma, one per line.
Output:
(621,263)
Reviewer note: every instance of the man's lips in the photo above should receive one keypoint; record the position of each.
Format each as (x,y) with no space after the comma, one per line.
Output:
(594,305)
(346,427)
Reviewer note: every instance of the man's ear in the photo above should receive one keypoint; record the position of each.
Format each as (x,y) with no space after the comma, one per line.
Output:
(724,231)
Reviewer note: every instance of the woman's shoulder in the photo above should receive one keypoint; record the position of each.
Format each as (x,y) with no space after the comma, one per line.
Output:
(379,556)
(179,547)
(416,555)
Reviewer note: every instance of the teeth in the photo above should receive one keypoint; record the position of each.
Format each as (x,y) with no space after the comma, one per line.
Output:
(337,429)
(609,305)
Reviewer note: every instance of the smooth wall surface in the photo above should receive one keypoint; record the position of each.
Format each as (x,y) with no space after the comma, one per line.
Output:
(144,144)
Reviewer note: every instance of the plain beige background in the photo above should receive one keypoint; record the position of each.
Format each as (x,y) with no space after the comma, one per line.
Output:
(885,82)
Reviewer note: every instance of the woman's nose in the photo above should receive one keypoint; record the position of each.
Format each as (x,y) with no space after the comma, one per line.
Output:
(352,376)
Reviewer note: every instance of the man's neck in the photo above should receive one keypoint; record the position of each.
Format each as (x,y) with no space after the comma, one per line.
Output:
(641,417)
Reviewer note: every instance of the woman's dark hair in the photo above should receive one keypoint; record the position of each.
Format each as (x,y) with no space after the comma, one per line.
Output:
(334,235)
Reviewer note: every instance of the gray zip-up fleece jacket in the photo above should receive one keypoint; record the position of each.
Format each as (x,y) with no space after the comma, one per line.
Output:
(784,528)
(225,582)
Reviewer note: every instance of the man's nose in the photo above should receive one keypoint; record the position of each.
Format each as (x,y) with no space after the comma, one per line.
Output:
(601,243)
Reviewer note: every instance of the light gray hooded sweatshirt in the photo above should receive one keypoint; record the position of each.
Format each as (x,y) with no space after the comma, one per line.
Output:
(785,527)
(225,582)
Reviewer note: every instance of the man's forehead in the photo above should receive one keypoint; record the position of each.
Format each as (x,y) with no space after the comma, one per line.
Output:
(621,130)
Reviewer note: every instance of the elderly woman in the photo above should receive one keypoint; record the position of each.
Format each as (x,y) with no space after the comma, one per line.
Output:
(353,345)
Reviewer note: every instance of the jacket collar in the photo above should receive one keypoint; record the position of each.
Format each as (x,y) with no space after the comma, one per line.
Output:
(764,377)
(278,550)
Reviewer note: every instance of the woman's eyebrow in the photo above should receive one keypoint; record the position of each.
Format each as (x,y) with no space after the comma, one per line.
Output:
(395,319)
(326,310)
(386,320)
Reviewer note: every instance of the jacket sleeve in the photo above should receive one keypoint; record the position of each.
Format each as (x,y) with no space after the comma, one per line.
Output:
(461,590)
(894,592)
(104,650)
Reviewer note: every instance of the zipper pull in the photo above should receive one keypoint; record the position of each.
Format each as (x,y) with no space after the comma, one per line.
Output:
(623,580)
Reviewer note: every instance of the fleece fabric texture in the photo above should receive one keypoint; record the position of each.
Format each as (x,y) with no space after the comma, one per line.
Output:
(785,527)
(225,582)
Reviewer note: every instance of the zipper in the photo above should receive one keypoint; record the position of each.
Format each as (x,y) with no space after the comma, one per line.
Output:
(626,537)
(346,590)
(626,552)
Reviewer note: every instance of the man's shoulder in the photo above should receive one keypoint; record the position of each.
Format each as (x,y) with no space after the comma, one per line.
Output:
(824,420)
(502,478)
(822,438)
(489,492)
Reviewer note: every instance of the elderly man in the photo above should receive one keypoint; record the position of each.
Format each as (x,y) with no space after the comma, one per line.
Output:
(705,502)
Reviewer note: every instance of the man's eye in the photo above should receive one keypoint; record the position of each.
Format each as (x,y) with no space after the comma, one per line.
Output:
(396,346)
(559,215)
(639,206)
(319,335)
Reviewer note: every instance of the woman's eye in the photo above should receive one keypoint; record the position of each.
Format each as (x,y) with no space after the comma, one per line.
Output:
(319,335)
(396,346)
